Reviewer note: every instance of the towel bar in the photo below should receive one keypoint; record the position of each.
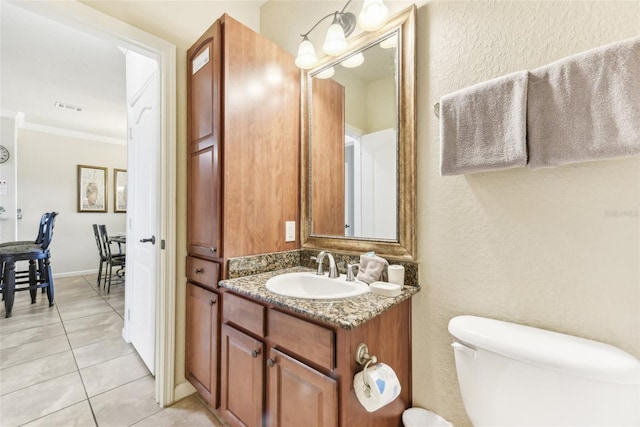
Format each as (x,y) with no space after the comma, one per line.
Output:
(436,109)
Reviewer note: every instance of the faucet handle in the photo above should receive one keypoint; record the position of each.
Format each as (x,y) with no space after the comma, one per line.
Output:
(350,276)
(318,261)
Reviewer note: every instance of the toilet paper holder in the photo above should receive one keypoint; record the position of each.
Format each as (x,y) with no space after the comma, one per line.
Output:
(364,358)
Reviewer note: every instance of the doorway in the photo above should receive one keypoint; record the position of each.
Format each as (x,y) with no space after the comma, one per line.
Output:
(87,19)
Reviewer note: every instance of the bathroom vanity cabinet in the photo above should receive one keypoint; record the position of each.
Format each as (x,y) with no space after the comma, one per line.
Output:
(243,127)
(281,369)
(202,340)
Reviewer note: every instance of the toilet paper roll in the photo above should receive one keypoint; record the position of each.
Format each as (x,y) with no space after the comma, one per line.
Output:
(396,274)
(383,389)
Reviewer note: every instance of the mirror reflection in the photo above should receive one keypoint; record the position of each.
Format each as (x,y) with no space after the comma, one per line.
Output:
(353,155)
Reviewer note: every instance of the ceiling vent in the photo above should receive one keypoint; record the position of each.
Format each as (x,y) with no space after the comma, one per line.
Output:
(69,106)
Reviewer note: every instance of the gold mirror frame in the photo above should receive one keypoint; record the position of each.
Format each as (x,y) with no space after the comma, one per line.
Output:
(404,247)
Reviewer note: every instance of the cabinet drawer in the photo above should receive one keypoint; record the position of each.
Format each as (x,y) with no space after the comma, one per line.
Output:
(307,340)
(204,272)
(244,313)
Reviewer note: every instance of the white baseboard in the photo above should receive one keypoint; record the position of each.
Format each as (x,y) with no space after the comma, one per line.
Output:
(75,273)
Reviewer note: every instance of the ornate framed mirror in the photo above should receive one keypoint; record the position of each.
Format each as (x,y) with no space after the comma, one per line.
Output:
(358,145)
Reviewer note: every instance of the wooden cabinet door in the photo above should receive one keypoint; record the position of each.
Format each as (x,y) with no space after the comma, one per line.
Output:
(242,382)
(201,341)
(204,138)
(203,205)
(298,395)
(327,152)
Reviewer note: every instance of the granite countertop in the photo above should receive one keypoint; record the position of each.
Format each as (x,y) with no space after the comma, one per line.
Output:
(346,313)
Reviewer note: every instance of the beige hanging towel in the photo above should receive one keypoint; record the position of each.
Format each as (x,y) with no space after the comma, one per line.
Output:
(585,107)
(483,127)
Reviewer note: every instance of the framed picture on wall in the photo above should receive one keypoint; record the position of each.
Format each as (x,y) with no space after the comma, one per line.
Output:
(120,190)
(92,189)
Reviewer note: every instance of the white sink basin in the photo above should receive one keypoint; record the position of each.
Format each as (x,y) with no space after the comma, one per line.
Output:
(311,286)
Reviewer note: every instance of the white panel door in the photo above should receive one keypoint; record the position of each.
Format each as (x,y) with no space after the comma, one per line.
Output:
(378,191)
(143,210)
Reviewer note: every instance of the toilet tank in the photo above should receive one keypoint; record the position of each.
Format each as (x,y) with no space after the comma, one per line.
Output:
(516,375)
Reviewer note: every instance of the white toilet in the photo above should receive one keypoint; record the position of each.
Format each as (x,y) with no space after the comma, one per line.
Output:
(515,375)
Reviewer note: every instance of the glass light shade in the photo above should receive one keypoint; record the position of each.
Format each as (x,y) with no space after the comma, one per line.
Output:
(335,43)
(306,55)
(373,15)
(353,61)
(389,43)
(325,74)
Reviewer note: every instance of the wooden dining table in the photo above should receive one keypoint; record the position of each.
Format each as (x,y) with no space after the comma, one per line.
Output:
(120,239)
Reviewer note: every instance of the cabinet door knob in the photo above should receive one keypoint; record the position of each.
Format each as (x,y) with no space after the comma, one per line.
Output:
(255,353)
(271,362)
(212,250)
(198,271)
(212,302)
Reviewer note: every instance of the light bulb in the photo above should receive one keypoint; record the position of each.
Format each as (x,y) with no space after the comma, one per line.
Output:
(353,61)
(325,74)
(306,55)
(335,42)
(389,43)
(373,15)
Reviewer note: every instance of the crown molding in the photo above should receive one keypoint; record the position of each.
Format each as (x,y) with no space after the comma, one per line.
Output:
(70,133)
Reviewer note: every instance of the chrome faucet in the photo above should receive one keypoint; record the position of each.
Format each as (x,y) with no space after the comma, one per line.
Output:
(333,270)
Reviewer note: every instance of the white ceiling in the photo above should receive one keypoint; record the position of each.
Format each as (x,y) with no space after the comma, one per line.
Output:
(43,61)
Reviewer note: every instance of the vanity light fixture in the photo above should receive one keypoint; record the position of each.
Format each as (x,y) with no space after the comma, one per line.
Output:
(353,61)
(326,74)
(390,42)
(373,16)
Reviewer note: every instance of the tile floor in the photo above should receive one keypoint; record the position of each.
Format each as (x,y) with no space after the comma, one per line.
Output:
(67,365)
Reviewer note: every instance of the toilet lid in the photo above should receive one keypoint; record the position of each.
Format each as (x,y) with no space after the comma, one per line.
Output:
(548,349)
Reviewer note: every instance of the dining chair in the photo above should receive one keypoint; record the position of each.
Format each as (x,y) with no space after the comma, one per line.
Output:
(38,241)
(101,253)
(39,275)
(39,237)
(117,260)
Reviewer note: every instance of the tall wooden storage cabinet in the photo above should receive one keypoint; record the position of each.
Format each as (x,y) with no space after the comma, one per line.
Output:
(243,125)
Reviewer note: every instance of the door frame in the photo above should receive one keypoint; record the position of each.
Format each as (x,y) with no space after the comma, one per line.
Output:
(92,21)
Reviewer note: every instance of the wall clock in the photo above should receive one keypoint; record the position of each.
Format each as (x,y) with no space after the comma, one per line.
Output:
(4,154)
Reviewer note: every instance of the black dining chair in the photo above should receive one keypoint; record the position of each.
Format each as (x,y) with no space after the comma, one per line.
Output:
(101,254)
(39,275)
(39,237)
(112,260)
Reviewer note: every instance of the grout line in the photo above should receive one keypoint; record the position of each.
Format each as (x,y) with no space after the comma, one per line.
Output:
(93,414)
(39,382)
(148,374)
(51,413)
(33,360)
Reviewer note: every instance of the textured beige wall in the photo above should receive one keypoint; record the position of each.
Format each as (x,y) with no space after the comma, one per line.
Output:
(555,248)
(544,248)
(48,181)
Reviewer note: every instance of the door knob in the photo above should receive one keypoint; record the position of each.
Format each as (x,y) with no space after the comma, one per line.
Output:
(255,353)
(152,240)
(271,363)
